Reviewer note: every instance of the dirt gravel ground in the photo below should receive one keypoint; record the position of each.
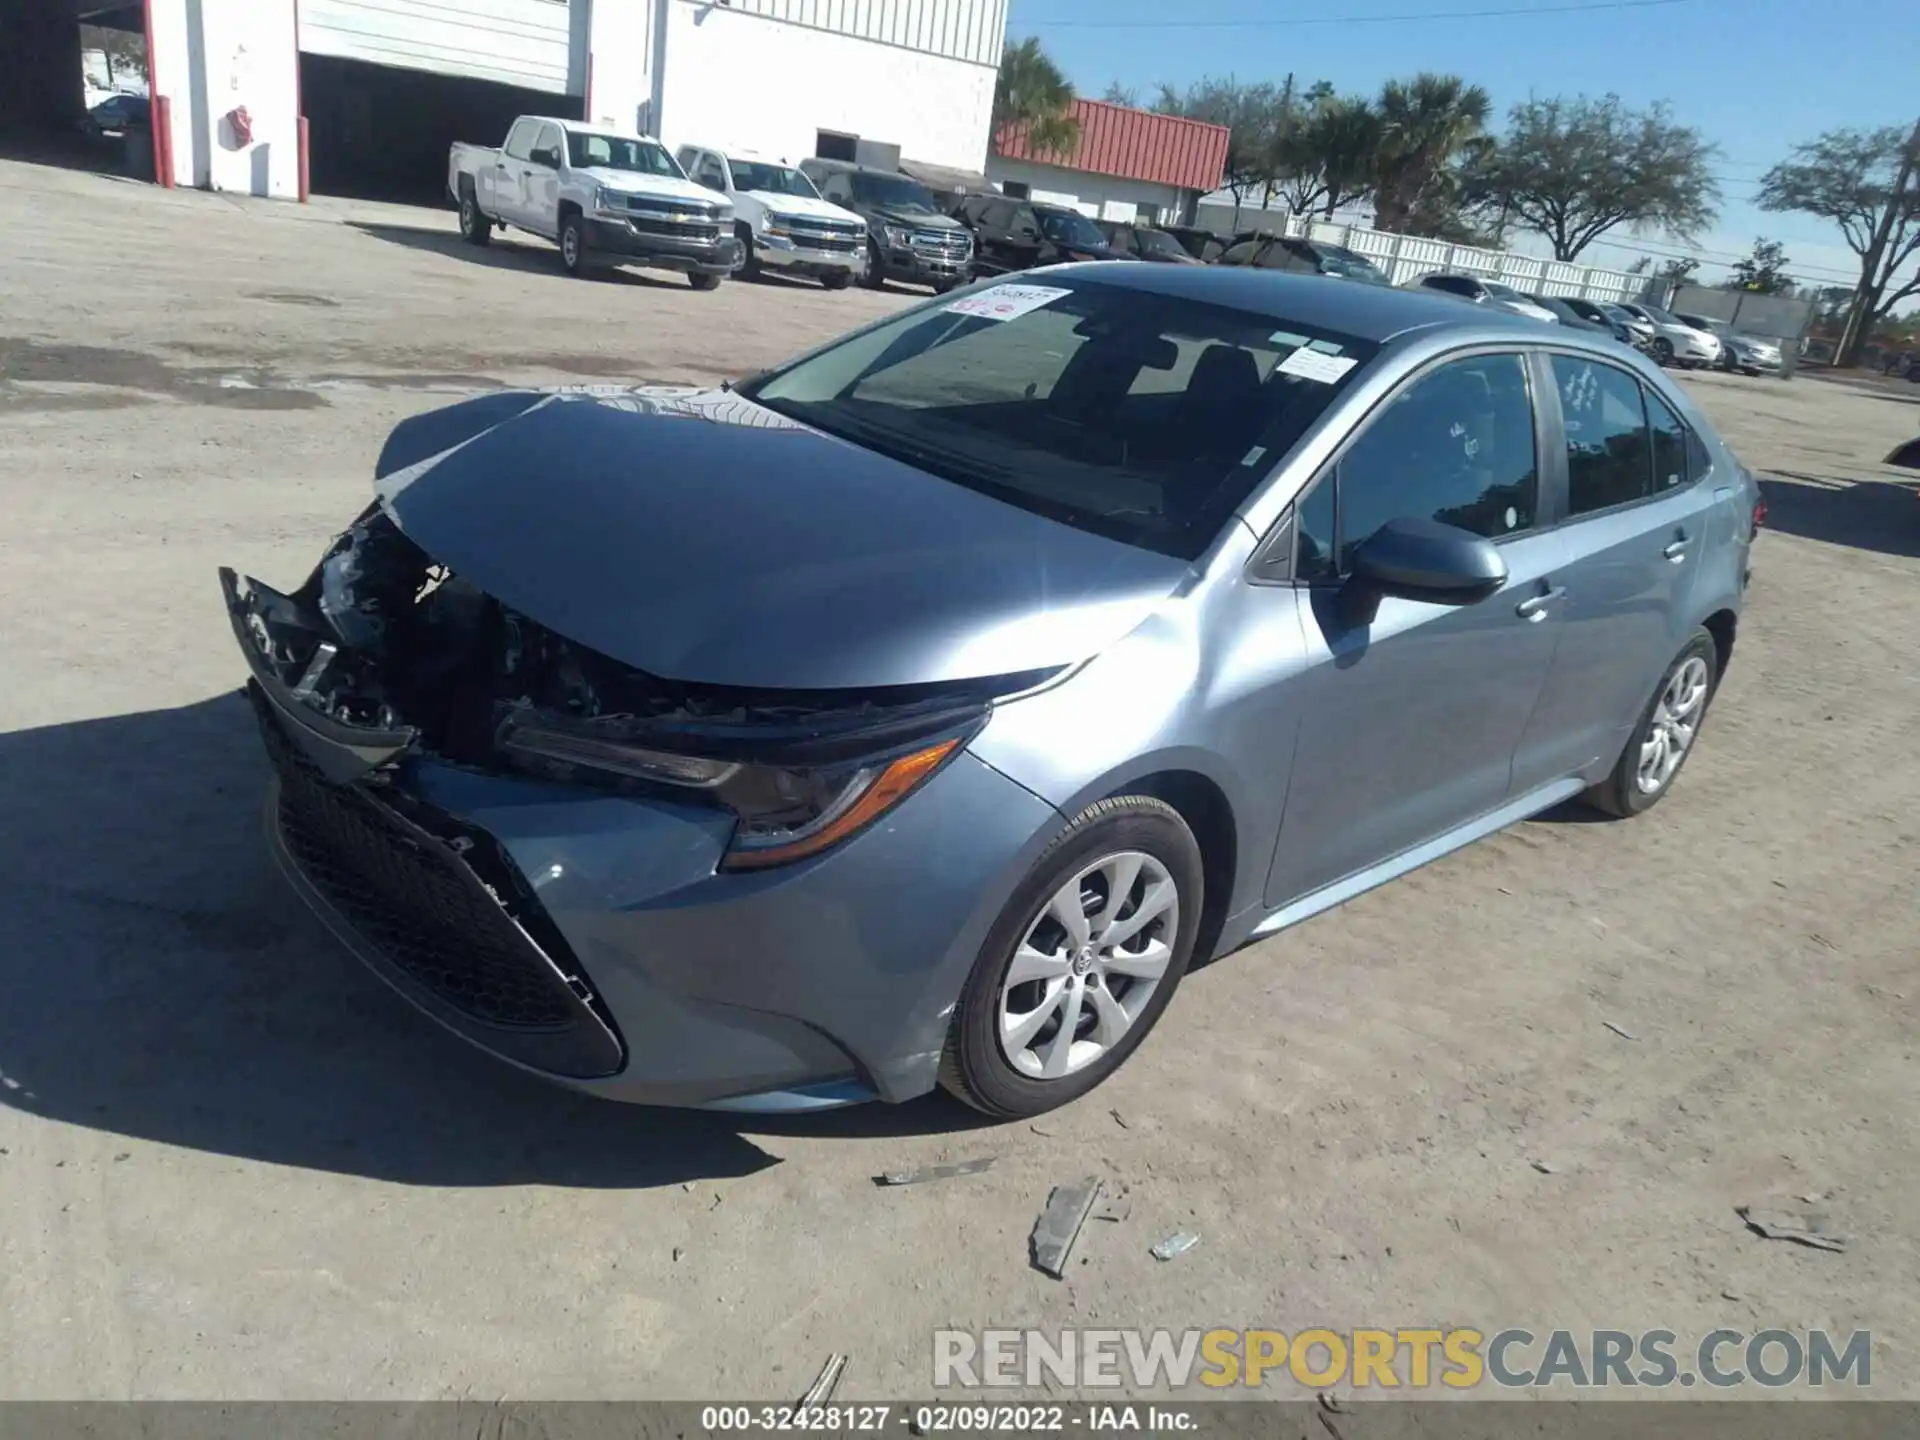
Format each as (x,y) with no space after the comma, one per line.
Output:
(233,1166)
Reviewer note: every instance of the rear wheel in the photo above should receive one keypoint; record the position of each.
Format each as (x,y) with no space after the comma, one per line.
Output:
(1081,963)
(1665,735)
(703,282)
(835,280)
(876,276)
(473,223)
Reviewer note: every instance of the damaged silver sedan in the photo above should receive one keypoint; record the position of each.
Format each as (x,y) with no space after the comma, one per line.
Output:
(915,712)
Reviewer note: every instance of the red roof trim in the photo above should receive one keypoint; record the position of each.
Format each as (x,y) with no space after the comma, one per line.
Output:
(1136,144)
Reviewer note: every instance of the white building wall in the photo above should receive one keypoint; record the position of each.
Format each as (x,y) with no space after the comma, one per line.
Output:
(741,80)
(1102,197)
(619,63)
(212,58)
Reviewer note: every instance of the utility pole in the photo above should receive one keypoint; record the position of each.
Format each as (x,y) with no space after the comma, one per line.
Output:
(1860,313)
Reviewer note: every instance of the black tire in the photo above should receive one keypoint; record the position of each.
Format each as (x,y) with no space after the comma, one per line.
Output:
(1620,794)
(876,276)
(973,1067)
(573,246)
(703,282)
(835,280)
(474,224)
(747,267)
(1663,350)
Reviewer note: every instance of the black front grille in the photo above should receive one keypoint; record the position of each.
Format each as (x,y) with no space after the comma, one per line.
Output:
(407,892)
(676,229)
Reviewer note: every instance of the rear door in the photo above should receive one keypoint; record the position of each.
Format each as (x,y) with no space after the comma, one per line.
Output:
(1638,506)
(499,189)
(540,187)
(1411,713)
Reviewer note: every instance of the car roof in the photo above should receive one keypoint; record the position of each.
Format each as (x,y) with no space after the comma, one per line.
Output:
(581,127)
(1367,312)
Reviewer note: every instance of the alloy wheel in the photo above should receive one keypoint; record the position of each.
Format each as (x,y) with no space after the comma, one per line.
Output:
(570,246)
(1676,720)
(1088,965)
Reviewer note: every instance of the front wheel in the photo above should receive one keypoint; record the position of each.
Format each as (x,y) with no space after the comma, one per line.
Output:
(1665,735)
(573,245)
(1663,350)
(876,276)
(835,280)
(746,265)
(1081,963)
(703,282)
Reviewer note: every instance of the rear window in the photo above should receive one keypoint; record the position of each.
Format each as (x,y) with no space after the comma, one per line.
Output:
(1143,417)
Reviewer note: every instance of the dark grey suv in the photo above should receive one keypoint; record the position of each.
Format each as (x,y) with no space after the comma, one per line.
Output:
(909,238)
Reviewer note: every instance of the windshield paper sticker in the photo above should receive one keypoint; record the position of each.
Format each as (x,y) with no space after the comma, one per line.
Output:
(1312,365)
(1006,302)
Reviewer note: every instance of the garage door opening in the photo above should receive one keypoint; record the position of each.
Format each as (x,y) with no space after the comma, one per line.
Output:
(61,59)
(378,132)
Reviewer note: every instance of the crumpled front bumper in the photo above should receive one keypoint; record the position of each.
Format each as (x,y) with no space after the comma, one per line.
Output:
(592,938)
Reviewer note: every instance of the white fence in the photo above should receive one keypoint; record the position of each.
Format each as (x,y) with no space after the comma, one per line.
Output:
(1405,256)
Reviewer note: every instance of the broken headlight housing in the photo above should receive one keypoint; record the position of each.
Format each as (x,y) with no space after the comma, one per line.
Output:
(788,809)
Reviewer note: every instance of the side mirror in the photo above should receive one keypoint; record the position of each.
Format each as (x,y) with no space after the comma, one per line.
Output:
(1418,559)
(546,156)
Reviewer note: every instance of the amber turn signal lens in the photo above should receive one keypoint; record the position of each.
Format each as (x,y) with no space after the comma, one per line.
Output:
(889,788)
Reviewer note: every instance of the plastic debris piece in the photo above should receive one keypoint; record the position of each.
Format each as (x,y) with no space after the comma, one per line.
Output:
(821,1390)
(1618,1031)
(1541,1166)
(1175,1244)
(1059,1224)
(1781,1220)
(935,1172)
(1119,1119)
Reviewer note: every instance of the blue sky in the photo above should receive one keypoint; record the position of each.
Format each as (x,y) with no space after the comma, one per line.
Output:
(1754,75)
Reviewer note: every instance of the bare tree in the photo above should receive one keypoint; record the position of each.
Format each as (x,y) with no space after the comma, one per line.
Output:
(1573,169)
(1858,179)
(1248,112)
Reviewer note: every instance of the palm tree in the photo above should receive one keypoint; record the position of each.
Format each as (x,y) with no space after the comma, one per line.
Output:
(1328,160)
(1425,124)
(1033,96)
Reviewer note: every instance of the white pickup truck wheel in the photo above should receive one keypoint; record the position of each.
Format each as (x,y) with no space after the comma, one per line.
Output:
(473,222)
(573,245)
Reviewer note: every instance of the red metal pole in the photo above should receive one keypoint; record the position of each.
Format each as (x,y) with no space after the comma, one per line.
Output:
(160,112)
(300,109)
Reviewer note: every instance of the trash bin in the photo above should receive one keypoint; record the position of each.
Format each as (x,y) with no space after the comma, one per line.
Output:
(137,157)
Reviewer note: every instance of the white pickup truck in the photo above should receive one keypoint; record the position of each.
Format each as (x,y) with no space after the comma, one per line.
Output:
(603,197)
(779,218)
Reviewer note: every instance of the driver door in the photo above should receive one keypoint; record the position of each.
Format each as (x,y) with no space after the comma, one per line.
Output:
(1411,711)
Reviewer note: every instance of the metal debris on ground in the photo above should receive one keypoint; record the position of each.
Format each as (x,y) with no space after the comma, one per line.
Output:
(1541,1166)
(1175,1244)
(1791,1220)
(821,1390)
(1059,1224)
(935,1172)
(1119,1119)
(1618,1031)
(1116,1203)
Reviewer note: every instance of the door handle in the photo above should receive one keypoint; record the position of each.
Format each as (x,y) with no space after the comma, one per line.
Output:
(1676,552)
(1536,607)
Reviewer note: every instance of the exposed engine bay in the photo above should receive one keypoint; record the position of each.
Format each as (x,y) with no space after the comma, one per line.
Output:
(381,638)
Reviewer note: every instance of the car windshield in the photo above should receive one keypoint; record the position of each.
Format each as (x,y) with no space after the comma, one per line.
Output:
(1502,292)
(1142,417)
(1625,317)
(1158,242)
(771,179)
(893,192)
(1350,265)
(1664,317)
(1070,227)
(618,152)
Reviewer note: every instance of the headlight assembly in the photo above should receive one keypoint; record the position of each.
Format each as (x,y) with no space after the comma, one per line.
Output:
(786,812)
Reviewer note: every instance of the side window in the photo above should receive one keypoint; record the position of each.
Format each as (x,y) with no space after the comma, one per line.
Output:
(1314,539)
(520,139)
(549,141)
(688,157)
(710,174)
(1609,449)
(1241,254)
(838,189)
(1024,221)
(997,215)
(1672,446)
(1455,446)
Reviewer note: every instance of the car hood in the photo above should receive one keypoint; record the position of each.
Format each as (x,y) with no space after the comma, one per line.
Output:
(698,537)
(917,219)
(664,187)
(807,205)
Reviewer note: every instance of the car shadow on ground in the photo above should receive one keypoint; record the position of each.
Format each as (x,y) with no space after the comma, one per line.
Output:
(1879,515)
(532,257)
(159,980)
